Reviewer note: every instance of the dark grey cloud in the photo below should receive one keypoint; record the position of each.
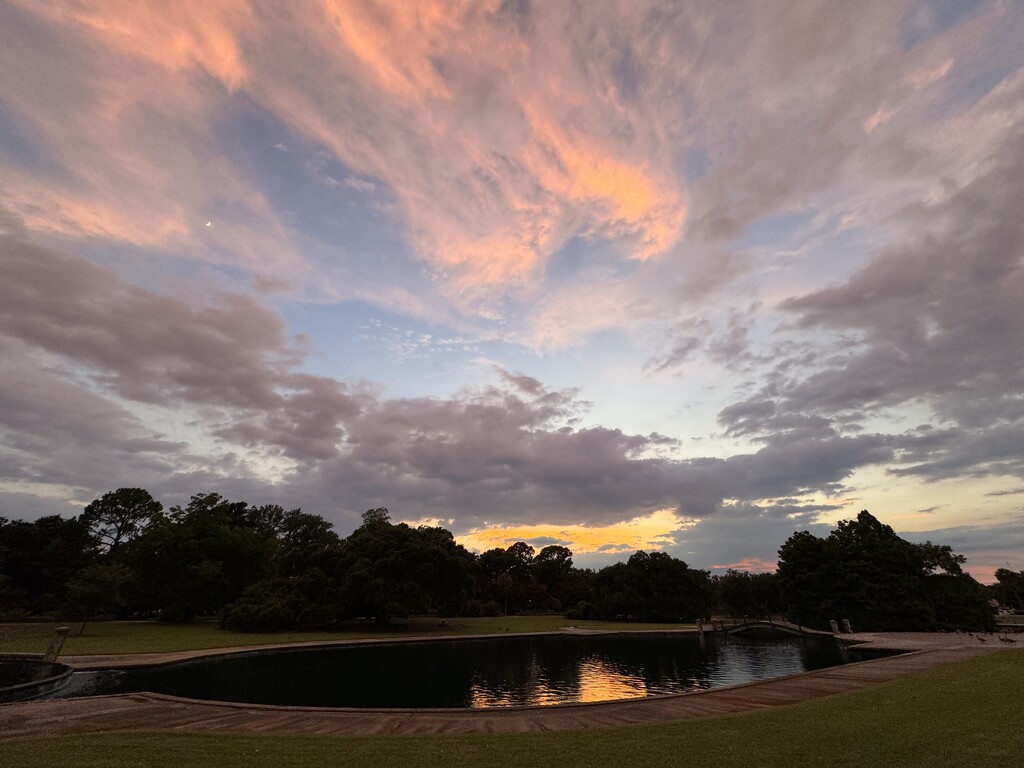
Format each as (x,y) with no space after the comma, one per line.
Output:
(688,340)
(547,541)
(987,546)
(1011,492)
(741,536)
(934,322)
(56,431)
(940,316)
(728,346)
(233,355)
(93,350)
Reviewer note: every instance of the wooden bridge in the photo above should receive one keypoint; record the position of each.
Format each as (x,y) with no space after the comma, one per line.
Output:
(743,626)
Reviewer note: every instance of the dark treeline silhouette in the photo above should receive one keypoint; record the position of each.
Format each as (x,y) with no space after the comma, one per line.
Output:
(267,568)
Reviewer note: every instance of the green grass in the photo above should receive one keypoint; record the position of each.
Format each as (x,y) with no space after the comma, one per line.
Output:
(965,714)
(117,637)
(1015,618)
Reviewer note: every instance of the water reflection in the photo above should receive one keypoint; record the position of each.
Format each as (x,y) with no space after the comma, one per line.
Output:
(500,672)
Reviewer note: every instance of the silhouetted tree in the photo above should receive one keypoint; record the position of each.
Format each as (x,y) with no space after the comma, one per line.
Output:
(395,570)
(1009,588)
(866,573)
(196,559)
(651,587)
(38,558)
(739,593)
(98,591)
(119,516)
(552,568)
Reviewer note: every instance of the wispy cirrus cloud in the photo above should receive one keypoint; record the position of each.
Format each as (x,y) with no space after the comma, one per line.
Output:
(132,159)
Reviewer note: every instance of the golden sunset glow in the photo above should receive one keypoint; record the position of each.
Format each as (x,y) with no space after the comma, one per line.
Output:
(654,531)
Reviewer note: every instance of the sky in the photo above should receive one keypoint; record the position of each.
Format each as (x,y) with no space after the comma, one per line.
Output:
(611,275)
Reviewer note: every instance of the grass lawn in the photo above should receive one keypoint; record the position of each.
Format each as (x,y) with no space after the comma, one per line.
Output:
(966,714)
(112,637)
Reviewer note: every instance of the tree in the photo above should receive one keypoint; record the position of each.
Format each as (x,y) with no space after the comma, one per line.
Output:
(37,558)
(866,573)
(119,516)
(197,559)
(651,587)
(509,579)
(1009,588)
(552,567)
(740,593)
(307,542)
(395,570)
(378,516)
(96,592)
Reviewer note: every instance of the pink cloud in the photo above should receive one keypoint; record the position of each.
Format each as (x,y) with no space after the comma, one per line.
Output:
(177,36)
(123,100)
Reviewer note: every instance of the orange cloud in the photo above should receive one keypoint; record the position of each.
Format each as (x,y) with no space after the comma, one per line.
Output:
(128,122)
(176,35)
(880,117)
(442,102)
(653,531)
(577,168)
(393,40)
(493,167)
(59,212)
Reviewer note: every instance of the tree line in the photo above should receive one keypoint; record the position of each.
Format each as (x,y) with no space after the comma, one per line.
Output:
(267,568)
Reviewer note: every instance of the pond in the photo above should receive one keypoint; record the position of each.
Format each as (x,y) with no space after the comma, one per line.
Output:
(512,671)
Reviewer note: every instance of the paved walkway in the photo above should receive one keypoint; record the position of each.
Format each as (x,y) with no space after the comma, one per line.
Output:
(153,712)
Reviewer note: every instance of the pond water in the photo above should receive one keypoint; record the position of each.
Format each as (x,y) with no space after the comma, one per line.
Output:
(540,670)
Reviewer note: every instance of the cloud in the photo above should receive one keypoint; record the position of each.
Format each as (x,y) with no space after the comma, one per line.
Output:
(408,98)
(133,158)
(491,169)
(59,437)
(1010,492)
(234,355)
(986,547)
(931,322)
(229,374)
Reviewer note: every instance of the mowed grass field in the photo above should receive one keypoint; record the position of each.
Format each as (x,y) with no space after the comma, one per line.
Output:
(117,637)
(966,714)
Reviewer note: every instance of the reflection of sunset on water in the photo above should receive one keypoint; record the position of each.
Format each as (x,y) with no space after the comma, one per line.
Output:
(601,682)
(594,680)
(535,672)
